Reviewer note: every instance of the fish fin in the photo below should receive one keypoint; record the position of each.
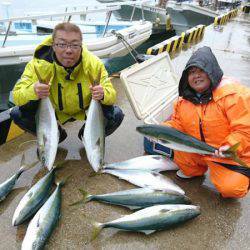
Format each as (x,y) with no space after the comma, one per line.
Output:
(62,181)
(38,222)
(23,161)
(147,232)
(93,174)
(60,164)
(44,139)
(132,207)
(85,198)
(163,142)
(30,194)
(77,202)
(98,142)
(233,152)
(84,193)
(155,174)
(238,160)
(233,148)
(48,78)
(97,229)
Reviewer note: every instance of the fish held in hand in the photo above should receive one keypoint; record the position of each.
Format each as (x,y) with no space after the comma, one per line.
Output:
(47,133)
(93,136)
(46,130)
(177,140)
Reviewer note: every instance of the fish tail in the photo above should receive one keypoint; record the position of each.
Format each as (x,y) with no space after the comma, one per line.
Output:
(187,200)
(85,199)
(60,164)
(62,181)
(85,194)
(20,145)
(96,230)
(236,158)
(233,152)
(93,174)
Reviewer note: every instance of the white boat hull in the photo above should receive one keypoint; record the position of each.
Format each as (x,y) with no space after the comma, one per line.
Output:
(104,47)
(187,15)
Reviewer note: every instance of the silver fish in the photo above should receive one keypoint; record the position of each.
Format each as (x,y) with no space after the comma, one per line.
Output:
(8,185)
(136,198)
(177,140)
(93,136)
(46,130)
(44,222)
(146,179)
(47,133)
(151,219)
(155,163)
(33,199)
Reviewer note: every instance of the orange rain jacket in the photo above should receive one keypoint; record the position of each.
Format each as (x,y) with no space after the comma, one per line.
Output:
(220,116)
(223,120)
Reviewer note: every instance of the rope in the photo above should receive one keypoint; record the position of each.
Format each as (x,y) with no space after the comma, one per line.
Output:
(126,44)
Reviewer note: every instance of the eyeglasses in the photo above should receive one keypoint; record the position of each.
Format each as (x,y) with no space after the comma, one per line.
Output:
(68,45)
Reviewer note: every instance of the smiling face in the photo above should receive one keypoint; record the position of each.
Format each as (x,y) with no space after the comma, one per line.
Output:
(67,47)
(198,79)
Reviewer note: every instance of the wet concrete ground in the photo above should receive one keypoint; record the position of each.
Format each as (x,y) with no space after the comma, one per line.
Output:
(223,223)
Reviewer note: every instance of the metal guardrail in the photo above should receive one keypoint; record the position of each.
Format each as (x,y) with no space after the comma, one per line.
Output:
(223,19)
(176,43)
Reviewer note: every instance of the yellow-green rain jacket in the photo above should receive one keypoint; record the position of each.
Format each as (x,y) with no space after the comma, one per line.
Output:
(69,97)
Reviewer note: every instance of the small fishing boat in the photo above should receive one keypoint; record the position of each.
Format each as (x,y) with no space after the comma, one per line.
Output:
(105,44)
(184,14)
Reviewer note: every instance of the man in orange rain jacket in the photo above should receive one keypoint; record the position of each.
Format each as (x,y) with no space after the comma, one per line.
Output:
(216,110)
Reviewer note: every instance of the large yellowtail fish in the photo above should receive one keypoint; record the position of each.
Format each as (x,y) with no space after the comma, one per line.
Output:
(93,137)
(151,219)
(136,198)
(43,223)
(156,163)
(146,179)
(47,130)
(175,139)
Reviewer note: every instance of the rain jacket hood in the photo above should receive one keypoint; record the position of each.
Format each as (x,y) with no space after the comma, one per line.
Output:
(204,59)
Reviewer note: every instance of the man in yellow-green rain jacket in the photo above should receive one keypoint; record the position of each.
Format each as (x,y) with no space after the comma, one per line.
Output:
(69,70)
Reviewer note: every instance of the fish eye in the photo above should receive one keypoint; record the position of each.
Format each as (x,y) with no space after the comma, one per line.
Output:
(43,160)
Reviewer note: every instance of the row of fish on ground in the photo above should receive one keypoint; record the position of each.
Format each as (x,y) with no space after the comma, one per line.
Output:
(156,189)
(161,206)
